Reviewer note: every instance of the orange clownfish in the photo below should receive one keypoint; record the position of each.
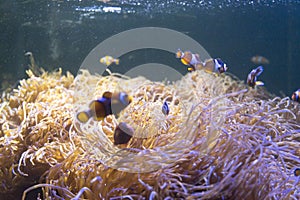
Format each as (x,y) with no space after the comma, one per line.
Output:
(216,66)
(108,104)
(190,59)
(258,60)
(123,133)
(252,77)
(108,60)
(295,95)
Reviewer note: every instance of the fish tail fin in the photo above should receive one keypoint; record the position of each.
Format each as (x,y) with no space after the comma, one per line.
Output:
(259,83)
(178,53)
(83,116)
(190,69)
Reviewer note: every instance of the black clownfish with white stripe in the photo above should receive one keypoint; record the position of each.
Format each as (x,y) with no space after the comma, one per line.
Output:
(296,95)
(165,108)
(109,103)
(252,77)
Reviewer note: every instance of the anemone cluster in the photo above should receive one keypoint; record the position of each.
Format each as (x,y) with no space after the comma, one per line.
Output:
(221,140)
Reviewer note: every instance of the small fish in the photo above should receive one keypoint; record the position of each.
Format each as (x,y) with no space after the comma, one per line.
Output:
(108,104)
(297,172)
(216,66)
(165,108)
(258,60)
(190,59)
(295,95)
(123,133)
(108,60)
(252,77)
(33,66)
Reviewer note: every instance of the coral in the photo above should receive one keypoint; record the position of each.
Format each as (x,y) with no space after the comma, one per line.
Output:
(221,139)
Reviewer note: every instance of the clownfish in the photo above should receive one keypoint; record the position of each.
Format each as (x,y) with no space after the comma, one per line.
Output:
(108,60)
(190,59)
(165,108)
(123,133)
(297,172)
(108,104)
(252,77)
(295,95)
(216,66)
(258,60)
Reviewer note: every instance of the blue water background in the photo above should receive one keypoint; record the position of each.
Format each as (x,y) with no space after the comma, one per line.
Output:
(62,33)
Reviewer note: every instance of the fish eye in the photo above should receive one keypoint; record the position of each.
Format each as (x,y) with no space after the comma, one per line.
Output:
(297,172)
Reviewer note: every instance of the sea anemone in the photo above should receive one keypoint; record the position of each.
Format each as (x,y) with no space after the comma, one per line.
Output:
(221,140)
